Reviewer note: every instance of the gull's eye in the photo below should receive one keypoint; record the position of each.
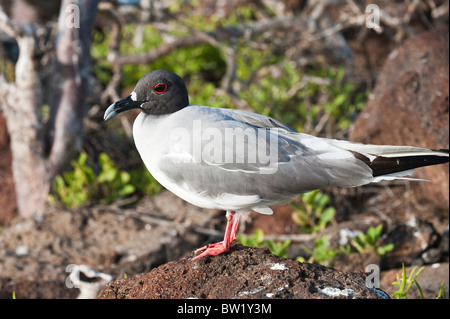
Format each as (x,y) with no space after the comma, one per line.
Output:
(160,88)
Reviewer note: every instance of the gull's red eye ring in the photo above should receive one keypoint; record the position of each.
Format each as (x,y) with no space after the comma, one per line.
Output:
(160,88)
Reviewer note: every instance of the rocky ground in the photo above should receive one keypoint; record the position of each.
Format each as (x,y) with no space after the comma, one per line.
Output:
(146,246)
(242,273)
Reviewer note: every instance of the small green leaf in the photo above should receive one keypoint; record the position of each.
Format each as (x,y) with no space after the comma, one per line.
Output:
(127,190)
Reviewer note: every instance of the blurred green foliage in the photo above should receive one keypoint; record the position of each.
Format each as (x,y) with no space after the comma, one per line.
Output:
(82,185)
(313,213)
(266,80)
(322,253)
(257,240)
(369,241)
(70,188)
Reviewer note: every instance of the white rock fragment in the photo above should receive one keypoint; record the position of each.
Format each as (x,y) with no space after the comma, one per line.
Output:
(345,234)
(251,292)
(22,250)
(336,292)
(267,279)
(278,266)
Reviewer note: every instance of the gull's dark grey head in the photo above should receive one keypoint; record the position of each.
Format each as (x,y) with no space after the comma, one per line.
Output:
(157,92)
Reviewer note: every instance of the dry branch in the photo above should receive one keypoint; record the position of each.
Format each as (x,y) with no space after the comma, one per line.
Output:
(39,150)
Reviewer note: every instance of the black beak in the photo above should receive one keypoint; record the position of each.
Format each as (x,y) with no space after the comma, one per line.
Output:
(121,106)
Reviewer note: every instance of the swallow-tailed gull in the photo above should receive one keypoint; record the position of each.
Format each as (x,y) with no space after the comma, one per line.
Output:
(240,161)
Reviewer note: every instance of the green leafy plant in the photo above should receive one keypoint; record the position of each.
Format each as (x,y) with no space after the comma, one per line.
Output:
(345,99)
(441,293)
(112,182)
(279,248)
(404,283)
(322,253)
(254,240)
(313,213)
(325,255)
(368,241)
(318,100)
(144,182)
(268,81)
(257,240)
(82,184)
(72,188)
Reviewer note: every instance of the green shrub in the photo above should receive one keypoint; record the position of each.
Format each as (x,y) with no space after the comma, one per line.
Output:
(257,240)
(74,188)
(404,283)
(369,241)
(82,185)
(322,253)
(313,213)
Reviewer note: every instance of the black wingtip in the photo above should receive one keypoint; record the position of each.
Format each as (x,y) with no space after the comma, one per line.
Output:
(443,151)
(389,165)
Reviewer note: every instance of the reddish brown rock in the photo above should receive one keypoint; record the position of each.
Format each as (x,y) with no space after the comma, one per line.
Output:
(410,106)
(242,273)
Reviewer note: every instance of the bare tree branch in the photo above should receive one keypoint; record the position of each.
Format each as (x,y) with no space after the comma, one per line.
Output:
(7,26)
(21,112)
(38,152)
(67,101)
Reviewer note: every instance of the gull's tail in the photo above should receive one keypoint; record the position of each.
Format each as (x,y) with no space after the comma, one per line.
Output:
(394,162)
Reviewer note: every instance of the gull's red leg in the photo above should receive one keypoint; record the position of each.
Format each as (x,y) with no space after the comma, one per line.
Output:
(229,237)
(235,226)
